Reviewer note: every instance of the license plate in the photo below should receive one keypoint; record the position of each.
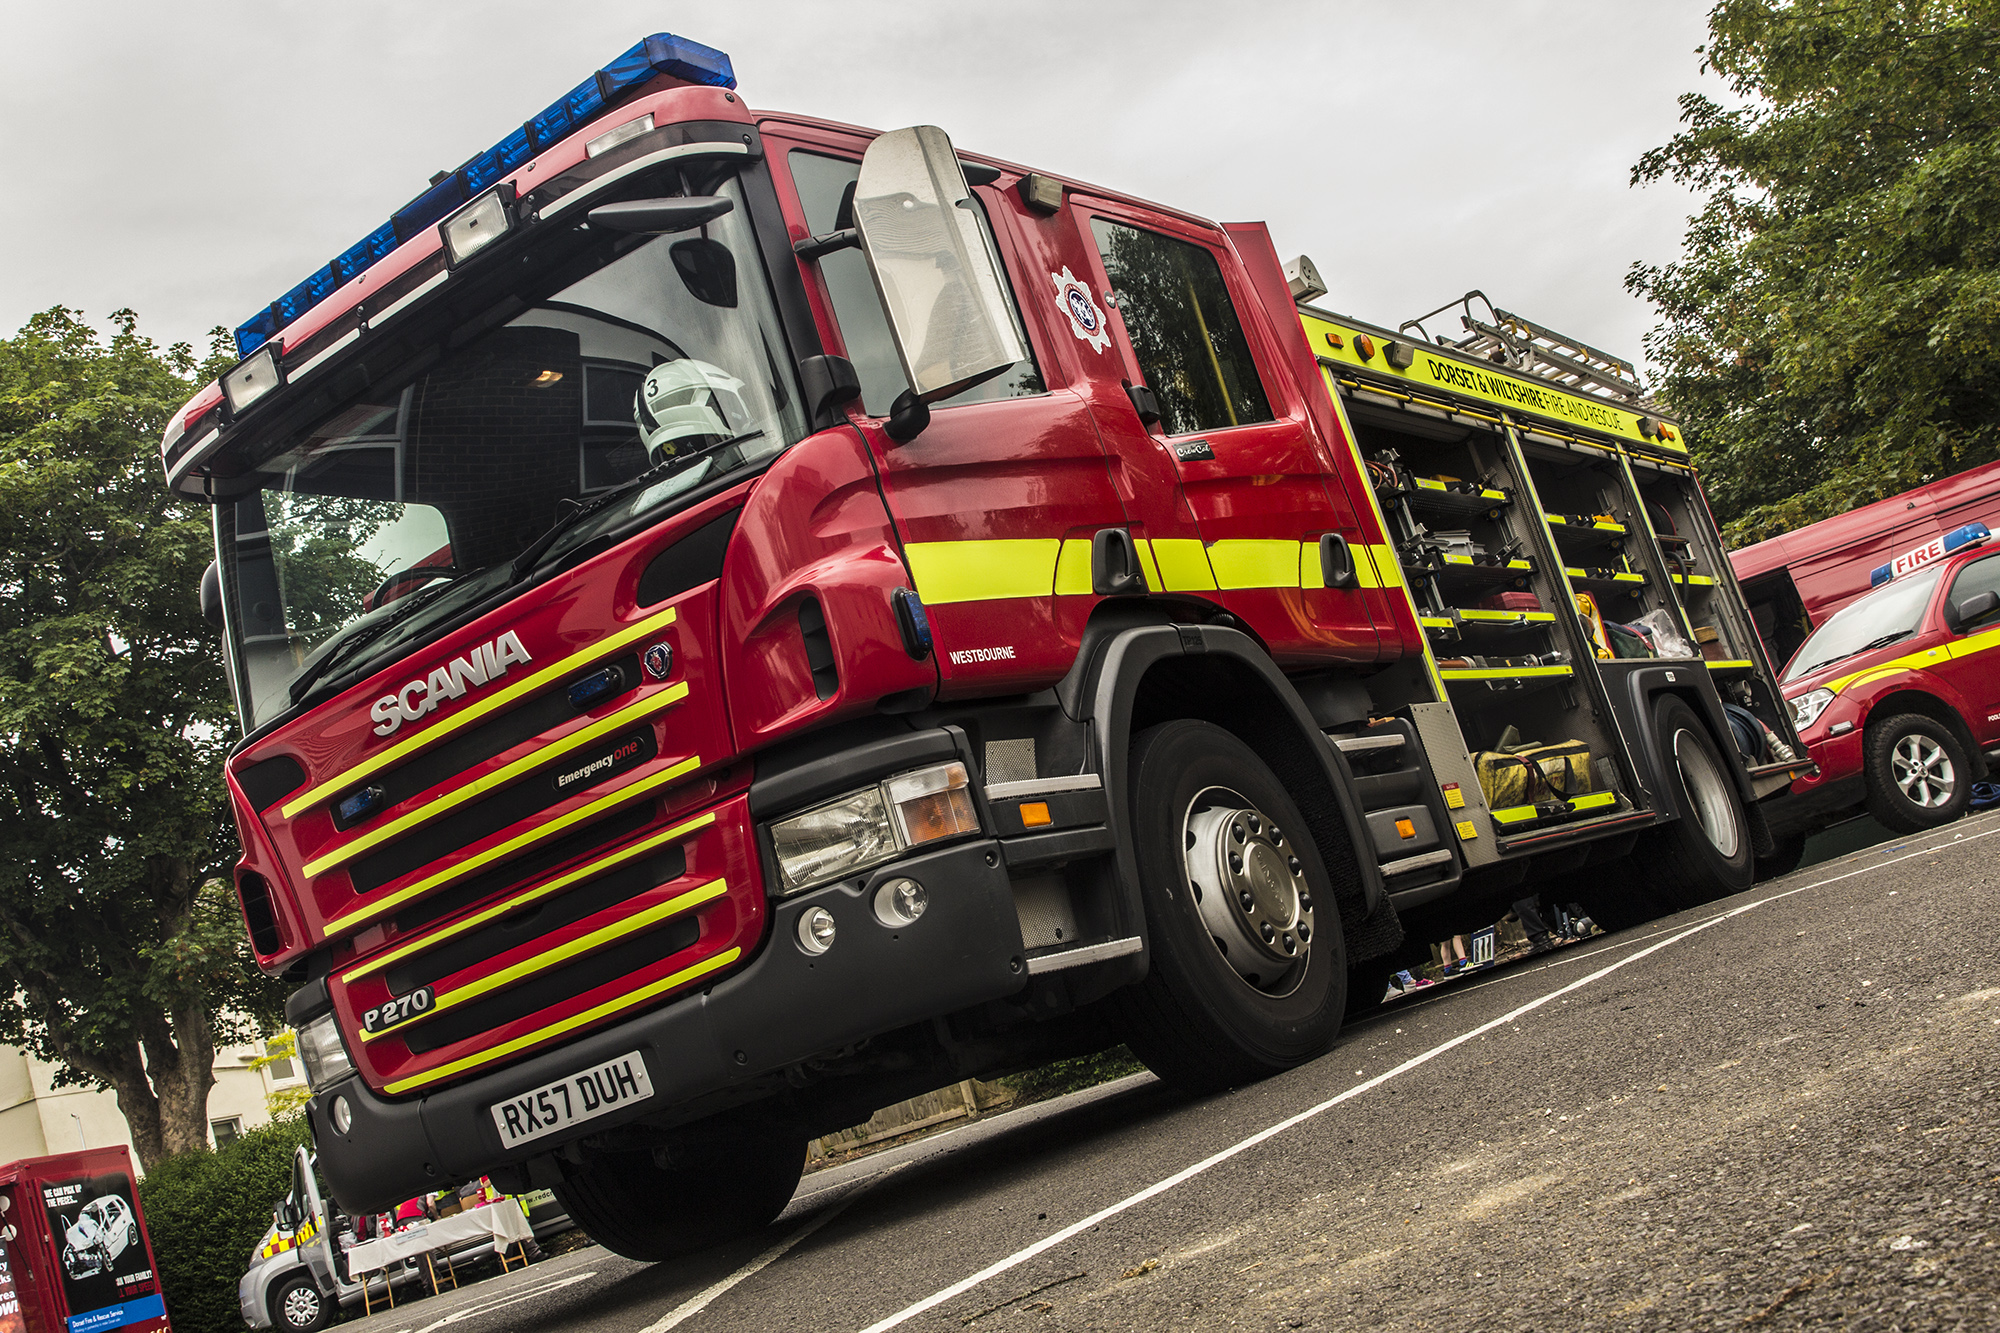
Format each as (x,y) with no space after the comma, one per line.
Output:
(399,1010)
(555,1106)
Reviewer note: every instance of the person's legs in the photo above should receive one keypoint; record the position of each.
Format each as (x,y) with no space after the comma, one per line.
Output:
(1529,909)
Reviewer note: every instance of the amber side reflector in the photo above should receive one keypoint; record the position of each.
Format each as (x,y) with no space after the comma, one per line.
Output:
(1035,814)
(1405,829)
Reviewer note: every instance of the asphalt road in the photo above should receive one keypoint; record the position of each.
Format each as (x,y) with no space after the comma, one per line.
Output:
(1779,1111)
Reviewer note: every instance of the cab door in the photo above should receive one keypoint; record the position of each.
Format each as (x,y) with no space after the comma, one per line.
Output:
(997,501)
(1231,430)
(1972,665)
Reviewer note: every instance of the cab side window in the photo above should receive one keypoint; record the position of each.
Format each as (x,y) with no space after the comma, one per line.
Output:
(822,182)
(1979,576)
(1184,330)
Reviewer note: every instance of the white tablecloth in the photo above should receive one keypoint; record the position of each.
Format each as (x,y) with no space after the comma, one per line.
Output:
(502,1220)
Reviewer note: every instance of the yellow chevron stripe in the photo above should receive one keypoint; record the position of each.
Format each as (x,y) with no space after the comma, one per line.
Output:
(520,900)
(540,833)
(499,777)
(582,944)
(584,1019)
(465,717)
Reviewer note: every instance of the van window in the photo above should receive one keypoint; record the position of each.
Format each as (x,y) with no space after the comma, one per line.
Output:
(1184,330)
(821,182)
(1982,575)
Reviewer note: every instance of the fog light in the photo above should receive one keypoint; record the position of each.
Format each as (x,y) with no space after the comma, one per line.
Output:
(816,930)
(323,1053)
(341,1114)
(479,224)
(900,902)
(252,379)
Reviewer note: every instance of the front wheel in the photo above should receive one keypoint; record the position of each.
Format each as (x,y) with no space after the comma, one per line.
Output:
(1705,854)
(1248,972)
(723,1182)
(1917,773)
(298,1306)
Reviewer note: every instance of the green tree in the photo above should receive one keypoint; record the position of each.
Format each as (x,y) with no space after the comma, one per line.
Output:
(122,954)
(1831,333)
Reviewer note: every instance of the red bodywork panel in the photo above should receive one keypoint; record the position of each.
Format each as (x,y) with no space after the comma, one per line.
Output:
(1830,561)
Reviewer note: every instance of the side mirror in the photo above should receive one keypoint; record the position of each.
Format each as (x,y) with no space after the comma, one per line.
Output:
(1972,608)
(707,270)
(937,275)
(211,594)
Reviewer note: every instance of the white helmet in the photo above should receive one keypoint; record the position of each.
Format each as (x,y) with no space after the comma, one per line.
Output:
(687,400)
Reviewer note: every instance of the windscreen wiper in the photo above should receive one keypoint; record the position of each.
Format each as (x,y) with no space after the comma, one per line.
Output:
(342,650)
(651,476)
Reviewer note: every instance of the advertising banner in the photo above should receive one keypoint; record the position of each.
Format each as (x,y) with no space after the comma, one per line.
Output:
(107,1279)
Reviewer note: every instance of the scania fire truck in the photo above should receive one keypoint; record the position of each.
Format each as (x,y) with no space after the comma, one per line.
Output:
(739,620)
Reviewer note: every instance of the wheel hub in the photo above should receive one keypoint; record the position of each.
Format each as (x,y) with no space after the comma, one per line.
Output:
(1923,771)
(301,1307)
(1250,889)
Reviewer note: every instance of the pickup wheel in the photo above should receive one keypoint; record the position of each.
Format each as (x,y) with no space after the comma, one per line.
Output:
(1248,968)
(722,1185)
(1705,854)
(1917,773)
(298,1306)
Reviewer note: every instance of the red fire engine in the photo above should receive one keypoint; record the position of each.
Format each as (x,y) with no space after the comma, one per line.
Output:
(739,620)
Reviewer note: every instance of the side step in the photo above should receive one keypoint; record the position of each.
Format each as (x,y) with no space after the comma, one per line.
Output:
(1411,833)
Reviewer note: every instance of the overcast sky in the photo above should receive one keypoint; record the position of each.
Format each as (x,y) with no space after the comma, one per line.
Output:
(193,160)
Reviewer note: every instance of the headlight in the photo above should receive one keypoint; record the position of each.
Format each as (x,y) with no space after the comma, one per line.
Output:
(870,826)
(324,1054)
(1808,706)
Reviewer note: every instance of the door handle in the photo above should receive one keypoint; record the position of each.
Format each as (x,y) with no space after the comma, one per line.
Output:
(1336,561)
(1144,403)
(1114,564)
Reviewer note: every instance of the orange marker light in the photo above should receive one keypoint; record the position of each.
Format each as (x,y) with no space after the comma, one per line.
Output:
(1035,814)
(1405,829)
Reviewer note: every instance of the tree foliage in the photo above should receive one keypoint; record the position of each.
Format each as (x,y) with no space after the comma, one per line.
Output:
(1831,333)
(122,956)
(208,1211)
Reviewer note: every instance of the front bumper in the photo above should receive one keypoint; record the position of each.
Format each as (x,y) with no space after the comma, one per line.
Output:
(782,1008)
(1815,799)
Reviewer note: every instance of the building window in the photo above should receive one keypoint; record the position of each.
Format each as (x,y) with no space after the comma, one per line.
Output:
(226,1131)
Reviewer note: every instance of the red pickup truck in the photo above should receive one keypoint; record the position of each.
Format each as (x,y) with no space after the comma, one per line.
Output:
(1897,694)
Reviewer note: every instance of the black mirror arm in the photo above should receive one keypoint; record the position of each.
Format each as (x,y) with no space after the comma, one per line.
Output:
(813,247)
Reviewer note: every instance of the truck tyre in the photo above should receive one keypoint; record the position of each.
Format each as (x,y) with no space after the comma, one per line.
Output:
(1917,773)
(1705,854)
(297,1304)
(1784,858)
(1248,970)
(726,1185)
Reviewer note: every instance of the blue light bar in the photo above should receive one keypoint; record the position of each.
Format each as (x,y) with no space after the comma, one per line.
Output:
(662,53)
(1937,548)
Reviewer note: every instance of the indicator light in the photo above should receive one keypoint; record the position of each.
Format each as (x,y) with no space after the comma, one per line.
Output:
(1364,347)
(1035,814)
(598,685)
(366,801)
(1335,341)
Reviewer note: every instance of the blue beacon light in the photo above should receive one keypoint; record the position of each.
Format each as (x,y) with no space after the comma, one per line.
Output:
(661,53)
(1972,534)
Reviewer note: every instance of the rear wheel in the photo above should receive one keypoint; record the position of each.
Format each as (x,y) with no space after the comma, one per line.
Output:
(1248,967)
(1705,854)
(1917,773)
(1784,858)
(721,1184)
(297,1306)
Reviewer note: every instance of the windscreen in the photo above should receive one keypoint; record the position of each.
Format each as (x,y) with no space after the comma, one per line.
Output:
(655,365)
(1894,611)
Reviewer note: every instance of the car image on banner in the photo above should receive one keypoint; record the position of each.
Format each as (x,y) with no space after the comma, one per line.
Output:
(107,1276)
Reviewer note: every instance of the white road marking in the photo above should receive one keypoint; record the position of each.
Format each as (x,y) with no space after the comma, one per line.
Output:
(510,1299)
(695,1304)
(1049,1242)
